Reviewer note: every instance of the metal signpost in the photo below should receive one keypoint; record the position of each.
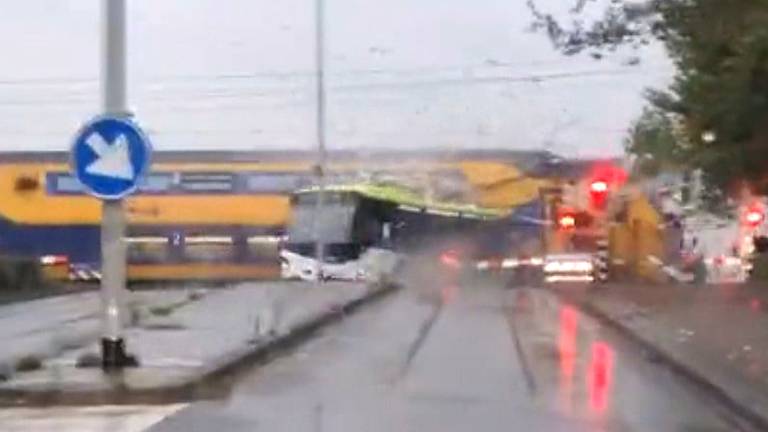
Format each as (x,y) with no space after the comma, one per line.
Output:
(320,129)
(110,155)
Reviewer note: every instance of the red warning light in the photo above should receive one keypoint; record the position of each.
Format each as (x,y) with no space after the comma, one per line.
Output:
(754,217)
(604,177)
(599,186)
(567,221)
(608,174)
(598,193)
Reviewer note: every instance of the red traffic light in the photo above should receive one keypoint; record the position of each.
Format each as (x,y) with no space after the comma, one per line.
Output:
(604,178)
(754,217)
(598,186)
(598,193)
(609,174)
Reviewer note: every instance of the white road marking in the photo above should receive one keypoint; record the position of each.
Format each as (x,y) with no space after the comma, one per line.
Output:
(108,418)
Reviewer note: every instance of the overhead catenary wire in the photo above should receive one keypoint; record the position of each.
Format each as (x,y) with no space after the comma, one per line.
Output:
(304,74)
(252,92)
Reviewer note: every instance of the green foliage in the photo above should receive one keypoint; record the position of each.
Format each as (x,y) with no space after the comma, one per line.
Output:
(721,50)
(652,139)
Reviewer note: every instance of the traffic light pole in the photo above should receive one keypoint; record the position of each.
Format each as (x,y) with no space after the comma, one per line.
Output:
(602,248)
(113,249)
(320,129)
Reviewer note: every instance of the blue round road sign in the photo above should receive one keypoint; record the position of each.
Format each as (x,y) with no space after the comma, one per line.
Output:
(110,156)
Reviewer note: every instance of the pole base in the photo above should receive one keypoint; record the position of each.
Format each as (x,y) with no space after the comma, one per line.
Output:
(113,355)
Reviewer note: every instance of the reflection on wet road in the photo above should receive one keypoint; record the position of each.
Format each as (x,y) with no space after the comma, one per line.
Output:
(455,358)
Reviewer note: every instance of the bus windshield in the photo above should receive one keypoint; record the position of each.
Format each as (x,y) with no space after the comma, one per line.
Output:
(334,223)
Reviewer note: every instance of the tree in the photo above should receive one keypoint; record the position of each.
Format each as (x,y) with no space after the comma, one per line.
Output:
(631,23)
(720,48)
(653,140)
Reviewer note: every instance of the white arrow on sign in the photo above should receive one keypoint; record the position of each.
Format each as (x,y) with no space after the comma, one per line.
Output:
(113,159)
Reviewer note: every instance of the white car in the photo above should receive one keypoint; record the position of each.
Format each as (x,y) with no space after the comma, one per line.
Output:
(726,269)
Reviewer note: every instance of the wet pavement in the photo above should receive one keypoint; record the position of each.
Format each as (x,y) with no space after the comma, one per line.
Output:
(460,358)
(181,337)
(720,332)
(44,328)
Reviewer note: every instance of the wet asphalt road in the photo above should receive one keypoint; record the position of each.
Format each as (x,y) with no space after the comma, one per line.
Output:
(470,357)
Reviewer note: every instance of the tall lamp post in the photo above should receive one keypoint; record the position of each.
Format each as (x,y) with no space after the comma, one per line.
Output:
(320,130)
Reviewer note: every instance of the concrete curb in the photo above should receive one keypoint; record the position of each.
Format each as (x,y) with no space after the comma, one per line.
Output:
(212,382)
(748,418)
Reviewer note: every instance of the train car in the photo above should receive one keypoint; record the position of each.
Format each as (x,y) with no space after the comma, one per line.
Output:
(194,217)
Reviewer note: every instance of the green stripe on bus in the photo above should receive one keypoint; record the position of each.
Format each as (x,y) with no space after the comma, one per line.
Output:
(406,197)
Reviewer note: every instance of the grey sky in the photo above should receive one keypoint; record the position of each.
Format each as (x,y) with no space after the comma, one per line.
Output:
(232,74)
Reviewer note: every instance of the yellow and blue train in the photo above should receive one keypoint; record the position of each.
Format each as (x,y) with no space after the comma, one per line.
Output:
(197,215)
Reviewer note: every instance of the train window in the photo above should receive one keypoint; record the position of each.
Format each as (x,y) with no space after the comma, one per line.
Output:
(333,178)
(263,248)
(342,177)
(158,182)
(266,183)
(329,198)
(63,183)
(147,249)
(305,199)
(207,182)
(209,248)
